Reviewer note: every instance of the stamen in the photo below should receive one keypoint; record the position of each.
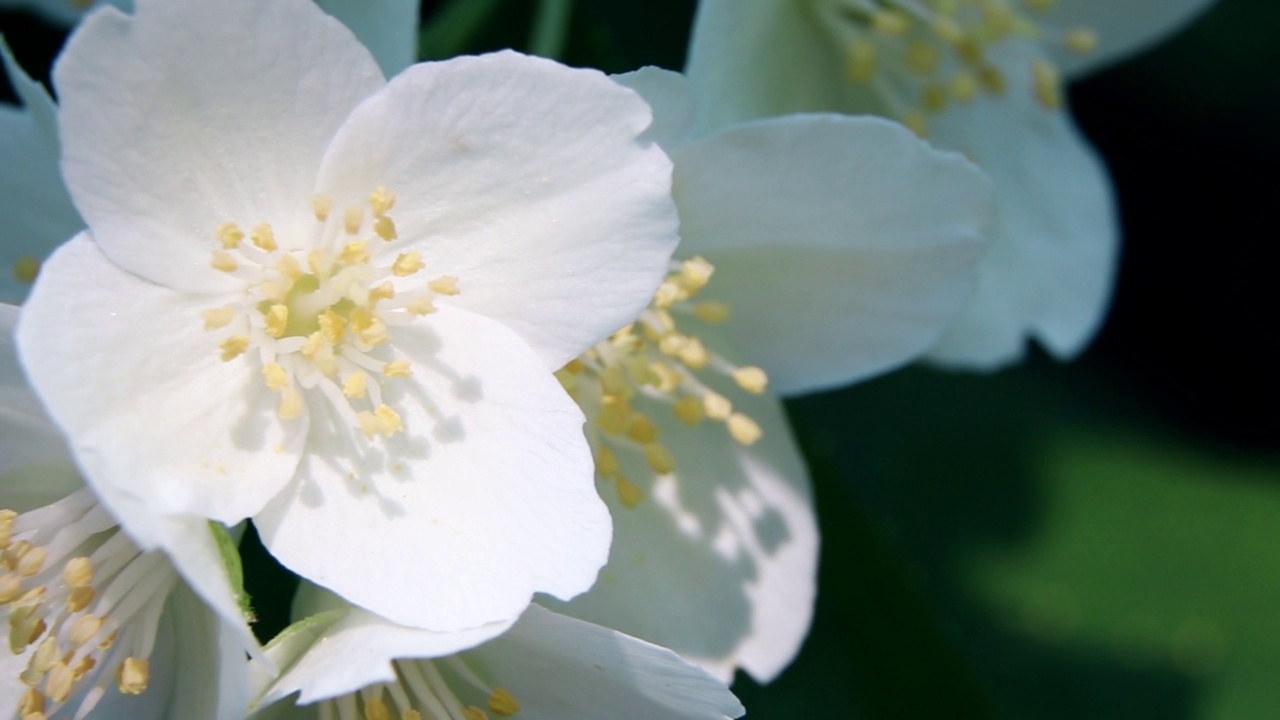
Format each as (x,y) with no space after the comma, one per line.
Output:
(25,269)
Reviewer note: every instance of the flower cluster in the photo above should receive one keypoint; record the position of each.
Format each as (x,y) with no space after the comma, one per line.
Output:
(486,353)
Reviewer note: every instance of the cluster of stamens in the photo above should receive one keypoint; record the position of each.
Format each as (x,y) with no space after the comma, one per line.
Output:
(653,359)
(422,692)
(923,55)
(318,318)
(81,600)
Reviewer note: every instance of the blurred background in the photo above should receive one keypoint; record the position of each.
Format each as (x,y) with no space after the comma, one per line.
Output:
(1099,539)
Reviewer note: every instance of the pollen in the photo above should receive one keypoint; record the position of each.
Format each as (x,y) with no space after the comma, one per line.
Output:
(922,56)
(663,359)
(133,676)
(503,704)
(319,312)
(25,269)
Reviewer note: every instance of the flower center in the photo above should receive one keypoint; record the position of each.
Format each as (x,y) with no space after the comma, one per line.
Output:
(82,600)
(654,359)
(317,318)
(423,690)
(923,55)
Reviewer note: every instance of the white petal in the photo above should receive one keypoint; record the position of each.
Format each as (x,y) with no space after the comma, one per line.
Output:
(33,201)
(756,58)
(525,180)
(486,498)
(559,668)
(211,678)
(158,423)
(187,115)
(718,561)
(346,648)
(1051,264)
(389,28)
(671,98)
(35,465)
(844,245)
(1124,27)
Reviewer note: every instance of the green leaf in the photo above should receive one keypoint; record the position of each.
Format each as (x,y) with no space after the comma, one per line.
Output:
(230,555)
(450,31)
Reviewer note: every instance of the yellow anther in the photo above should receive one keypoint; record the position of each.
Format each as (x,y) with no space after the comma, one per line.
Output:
(83,667)
(502,703)
(689,410)
(375,709)
(58,686)
(407,264)
(223,261)
(355,384)
(923,57)
(659,458)
(369,424)
(669,294)
(83,629)
(641,429)
(998,18)
(397,369)
(79,598)
(751,378)
(321,205)
(934,98)
(664,377)
(671,344)
(277,318)
(229,235)
(385,228)
(628,493)
(32,562)
(318,263)
(964,87)
(614,414)
(78,572)
(47,654)
(412,714)
(372,332)
(890,23)
(694,354)
(969,51)
(421,306)
(1081,40)
(233,347)
(391,423)
(276,377)
(332,325)
(218,317)
(289,266)
(7,518)
(695,273)
(31,705)
(25,269)
(355,252)
(381,200)
(1047,83)
(606,462)
(948,30)
(917,123)
(992,80)
(614,382)
(352,219)
(716,406)
(444,285)
(384,291)
(663,322)
(290,404)
(743,429)
(133,675)
(712,311)
(10,588)
(13,553)
(264,238)
(575,366)
(471,712)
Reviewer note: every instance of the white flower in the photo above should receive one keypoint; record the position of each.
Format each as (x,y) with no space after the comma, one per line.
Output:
(41,214)
(978,76)
(328,302)
(347,664)
(96,627)
(824,248)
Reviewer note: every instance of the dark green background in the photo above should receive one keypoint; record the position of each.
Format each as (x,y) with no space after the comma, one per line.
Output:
(1093,540)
